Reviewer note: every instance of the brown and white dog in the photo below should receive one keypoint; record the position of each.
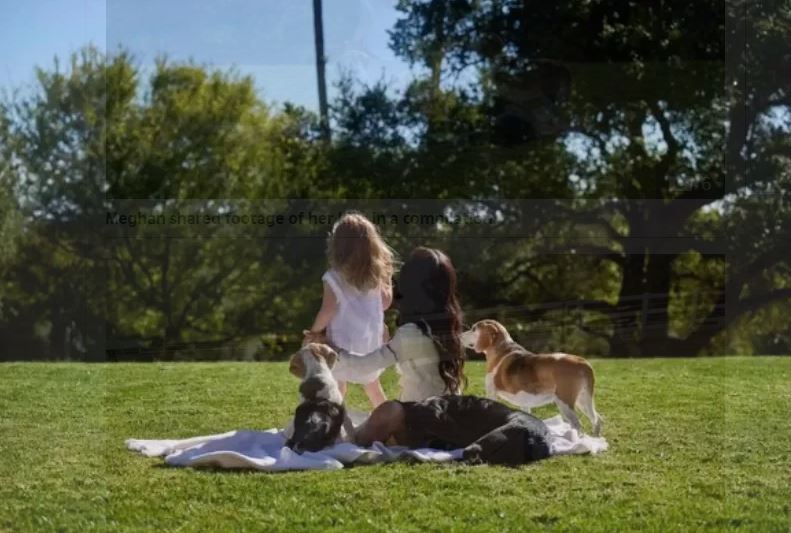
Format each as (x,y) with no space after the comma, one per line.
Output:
(530,380)
(321,414)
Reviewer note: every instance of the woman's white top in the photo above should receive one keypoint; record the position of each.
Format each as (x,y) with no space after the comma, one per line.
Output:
(416,359)
(357,326)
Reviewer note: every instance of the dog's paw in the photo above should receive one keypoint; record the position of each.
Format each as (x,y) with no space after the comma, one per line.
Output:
(472,454)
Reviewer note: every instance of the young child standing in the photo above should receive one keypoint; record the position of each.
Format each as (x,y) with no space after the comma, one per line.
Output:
(357,291)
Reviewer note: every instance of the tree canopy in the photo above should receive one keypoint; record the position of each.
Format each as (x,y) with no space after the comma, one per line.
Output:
(631,161)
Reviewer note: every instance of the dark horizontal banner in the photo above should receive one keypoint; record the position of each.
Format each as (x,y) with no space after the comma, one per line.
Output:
(581,225)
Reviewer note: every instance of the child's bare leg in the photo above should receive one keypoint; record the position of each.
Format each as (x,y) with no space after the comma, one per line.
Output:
(342,388)
(375,393)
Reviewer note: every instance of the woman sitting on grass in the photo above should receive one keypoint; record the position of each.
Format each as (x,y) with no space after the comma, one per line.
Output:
(428,355)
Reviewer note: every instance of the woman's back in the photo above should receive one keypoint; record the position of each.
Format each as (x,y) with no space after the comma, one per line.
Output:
(417,364)
(415,357)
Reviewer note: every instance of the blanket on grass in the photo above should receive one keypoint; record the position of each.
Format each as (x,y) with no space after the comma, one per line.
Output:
(266,450)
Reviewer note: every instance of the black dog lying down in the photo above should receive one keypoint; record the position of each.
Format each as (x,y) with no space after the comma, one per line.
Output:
(488,431)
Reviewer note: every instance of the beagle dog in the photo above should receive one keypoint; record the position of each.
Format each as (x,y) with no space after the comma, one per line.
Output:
(321,414)
(530,380)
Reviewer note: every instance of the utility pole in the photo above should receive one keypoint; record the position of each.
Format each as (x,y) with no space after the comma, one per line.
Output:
(318,34)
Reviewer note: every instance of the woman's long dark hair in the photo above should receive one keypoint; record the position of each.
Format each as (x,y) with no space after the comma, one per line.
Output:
(425,295)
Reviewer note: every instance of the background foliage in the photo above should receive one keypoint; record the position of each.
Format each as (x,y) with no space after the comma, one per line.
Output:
(632,162)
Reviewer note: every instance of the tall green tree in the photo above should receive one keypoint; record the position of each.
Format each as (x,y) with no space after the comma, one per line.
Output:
(57,169)
(10,217)
(639,90)
(200,135)
(97,143)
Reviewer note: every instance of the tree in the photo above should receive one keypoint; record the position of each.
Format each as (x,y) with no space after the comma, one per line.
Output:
(650,122)
(57,174)
(10,217)
(188,142)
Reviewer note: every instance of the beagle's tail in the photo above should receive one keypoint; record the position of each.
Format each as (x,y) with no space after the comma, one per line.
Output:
(586,403)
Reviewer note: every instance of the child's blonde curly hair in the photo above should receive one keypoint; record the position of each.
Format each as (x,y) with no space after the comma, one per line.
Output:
(357,251)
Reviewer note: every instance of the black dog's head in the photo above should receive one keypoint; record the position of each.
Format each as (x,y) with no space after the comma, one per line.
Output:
(316,425)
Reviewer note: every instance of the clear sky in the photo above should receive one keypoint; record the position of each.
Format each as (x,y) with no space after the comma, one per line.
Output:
(270,39)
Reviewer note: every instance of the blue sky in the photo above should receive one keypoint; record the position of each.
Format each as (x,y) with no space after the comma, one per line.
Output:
(269,39)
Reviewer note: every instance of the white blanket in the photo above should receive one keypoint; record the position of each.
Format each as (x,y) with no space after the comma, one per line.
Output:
(265,450)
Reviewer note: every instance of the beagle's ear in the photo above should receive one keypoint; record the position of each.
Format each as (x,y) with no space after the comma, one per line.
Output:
(296,365)
(490,333)
(322,351)
(499,333)
(486,337)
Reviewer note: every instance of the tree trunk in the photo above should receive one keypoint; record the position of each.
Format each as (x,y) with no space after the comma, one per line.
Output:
(654,335)
(625,316)
(58,342)
(167,302)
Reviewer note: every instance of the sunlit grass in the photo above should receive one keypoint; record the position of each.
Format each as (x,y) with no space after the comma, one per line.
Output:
(695,444)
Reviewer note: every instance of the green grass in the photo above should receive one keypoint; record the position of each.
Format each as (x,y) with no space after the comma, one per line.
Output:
(695,444)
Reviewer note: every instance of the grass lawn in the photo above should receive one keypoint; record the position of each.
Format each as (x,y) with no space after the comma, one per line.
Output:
(695,444)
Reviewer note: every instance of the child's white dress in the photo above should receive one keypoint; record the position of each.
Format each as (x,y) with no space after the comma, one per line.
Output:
(357,326)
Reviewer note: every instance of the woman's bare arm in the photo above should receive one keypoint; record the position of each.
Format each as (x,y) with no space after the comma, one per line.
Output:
(379,359)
